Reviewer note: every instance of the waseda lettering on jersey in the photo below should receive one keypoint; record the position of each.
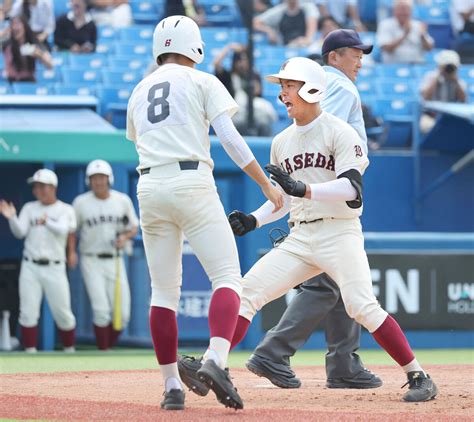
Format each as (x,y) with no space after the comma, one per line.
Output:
(101,219)
(309,159)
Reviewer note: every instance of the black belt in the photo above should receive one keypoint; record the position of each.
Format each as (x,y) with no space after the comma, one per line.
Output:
(101,255)
(41,261)
(183,165)
(305,222)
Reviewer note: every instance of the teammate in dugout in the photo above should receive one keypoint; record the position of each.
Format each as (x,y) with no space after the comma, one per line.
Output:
(45,224)
(106,221)
(168,119)
(319,161)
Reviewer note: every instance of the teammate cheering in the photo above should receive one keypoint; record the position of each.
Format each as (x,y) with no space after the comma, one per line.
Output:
(45,225)
(168,118)
(319,162)
(106,220)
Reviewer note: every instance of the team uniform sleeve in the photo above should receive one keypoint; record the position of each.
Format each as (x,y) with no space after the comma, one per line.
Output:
(217,99)
(19,224)
(349,151)
(131,133)
(64,225)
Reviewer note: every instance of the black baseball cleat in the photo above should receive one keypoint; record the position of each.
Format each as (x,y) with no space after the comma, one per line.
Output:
(218,380)
(420,387)
(364,379)
(174,400)
(278,374)
(188,367)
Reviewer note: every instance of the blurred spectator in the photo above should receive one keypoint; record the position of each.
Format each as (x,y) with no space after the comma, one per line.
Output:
(189,8)
(75,30)
(5,9)
(345,12)
(260,6)
(442,84)
(326,25)
(264,113)
(291,23)
(462,16)
(402,38)
(115,13)
(236,78)
(22,51)
(39,15)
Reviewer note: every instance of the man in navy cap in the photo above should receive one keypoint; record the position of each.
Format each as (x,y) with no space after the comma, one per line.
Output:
(319,299)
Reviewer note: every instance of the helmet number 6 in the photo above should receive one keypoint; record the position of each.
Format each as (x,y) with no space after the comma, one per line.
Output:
(163,89)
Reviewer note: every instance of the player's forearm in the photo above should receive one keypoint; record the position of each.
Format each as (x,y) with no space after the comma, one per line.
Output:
(265,215)
(18,229)
(335,190)
(57,226)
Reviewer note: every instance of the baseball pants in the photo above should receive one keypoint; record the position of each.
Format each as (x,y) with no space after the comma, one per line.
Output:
(333,246)
(52,280)
(174,202)
(99,276)
(318,301)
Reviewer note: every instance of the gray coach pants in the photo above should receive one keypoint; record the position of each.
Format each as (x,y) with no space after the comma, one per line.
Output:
(319,300)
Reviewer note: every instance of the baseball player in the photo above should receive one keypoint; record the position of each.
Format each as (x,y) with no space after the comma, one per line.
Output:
(45,225)
(106,221)
(168,119)
(319,161)
(319,298)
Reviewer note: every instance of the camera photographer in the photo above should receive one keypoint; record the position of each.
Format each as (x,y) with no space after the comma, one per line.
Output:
(442,84)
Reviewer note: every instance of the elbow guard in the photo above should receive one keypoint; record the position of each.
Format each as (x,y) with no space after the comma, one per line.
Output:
(356,181)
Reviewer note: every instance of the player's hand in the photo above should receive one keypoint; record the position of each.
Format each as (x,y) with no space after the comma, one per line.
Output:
(7,209)
(289,185)
(274,195)
(72,260)
(242,223)
(120,241)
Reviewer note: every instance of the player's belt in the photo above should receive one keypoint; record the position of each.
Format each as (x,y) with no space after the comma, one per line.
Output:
(101,255)
(304,222)
(41,261)
(183,165)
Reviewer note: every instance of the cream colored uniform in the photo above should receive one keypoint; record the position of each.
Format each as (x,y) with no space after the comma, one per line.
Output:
(43,269)
(168,119)
(99,222)
(317,153)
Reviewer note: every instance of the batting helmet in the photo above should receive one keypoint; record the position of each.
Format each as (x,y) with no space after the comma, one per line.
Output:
(99,167)
(304,70)
(178,34)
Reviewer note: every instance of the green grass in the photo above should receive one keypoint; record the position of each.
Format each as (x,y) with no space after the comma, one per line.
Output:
(133,359)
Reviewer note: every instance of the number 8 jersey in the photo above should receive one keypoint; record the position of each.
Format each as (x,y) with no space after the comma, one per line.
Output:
(169,113)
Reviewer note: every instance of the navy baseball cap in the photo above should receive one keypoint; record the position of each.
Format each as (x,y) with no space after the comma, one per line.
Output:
(340,38)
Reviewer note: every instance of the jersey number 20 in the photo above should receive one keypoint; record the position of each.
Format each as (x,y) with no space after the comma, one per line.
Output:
(155,101)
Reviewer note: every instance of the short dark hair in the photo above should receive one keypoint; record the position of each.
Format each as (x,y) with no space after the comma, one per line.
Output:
(339,51)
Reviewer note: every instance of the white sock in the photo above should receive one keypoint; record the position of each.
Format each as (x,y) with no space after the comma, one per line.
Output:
(205,355)
(413,366)
(219,351)
(171,377)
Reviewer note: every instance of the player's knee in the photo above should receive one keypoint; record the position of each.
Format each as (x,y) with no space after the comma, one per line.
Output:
(233,282)
(28,320)
(165,297)
(67,322)
(102,318)
(368,314)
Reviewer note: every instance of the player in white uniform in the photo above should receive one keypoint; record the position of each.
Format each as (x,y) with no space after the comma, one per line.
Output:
(45,225)
(168,118)
(328,158)
(106,221)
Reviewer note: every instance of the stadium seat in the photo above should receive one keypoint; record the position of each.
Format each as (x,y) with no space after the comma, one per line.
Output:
(117,77)
(72,76)
(106,33)
(217,36)
(128,62)
(147,11)
(113,103)
(220,12)
(79,89)
(106,47)
(466,72)
(395,71)
(61,7)
(31,88)
(60,58)
(366,86)
(87,61)
(48,75)
(4,88)
(139,49)
(396,87)
(137,33)
(366,72)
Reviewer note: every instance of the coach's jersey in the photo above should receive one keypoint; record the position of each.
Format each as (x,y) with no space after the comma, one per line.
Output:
(317,153)
(41,240)
(101,220)
(169,113)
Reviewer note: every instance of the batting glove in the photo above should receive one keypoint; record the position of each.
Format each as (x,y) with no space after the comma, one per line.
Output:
(289,185)
(242,223)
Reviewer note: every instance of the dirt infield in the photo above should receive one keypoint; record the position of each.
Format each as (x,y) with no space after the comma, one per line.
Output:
(135,396)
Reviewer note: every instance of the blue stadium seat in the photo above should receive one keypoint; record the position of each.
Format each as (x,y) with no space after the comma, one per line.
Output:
(4,88)
(466,72)
(77,89)
(114,102)
(366,86)
(366,72)
(72,76)
(106,47)
(32,88)
(139,49)
(117,77)
(220,12)
(396,87)
(432,14)
(368,10)
(60,58)
(87,61)
(48,75)
(140,33)
(395,71)
(421,70)
(147,11)
(61,7)
(270,90)
(217,36)
(106,33)
(129,62)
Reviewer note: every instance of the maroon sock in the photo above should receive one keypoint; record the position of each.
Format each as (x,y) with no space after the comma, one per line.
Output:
(68,337)
(240,331)
(113,336)
(102,337)
(223,313)
(164,333)
(29,336)
(391,338)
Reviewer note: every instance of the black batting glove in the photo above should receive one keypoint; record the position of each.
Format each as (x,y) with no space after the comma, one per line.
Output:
(242,223)
(290,186)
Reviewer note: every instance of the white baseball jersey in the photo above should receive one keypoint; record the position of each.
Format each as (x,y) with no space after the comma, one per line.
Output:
(317,153)
(100,220)
(181,102)
(44,241)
